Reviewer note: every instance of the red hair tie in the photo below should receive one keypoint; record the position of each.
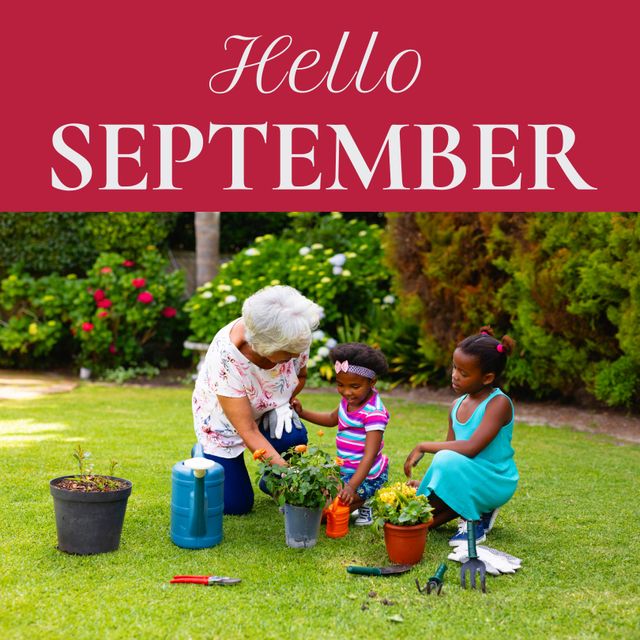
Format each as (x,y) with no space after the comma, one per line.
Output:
(500,347)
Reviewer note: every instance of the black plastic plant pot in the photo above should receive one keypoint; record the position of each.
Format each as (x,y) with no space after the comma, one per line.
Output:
(89,522)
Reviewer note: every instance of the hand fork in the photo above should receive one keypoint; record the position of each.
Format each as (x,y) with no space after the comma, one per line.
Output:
(473,565)
(435,582)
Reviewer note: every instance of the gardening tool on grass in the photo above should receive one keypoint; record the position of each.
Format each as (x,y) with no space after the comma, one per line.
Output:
(206,580)
(435,582)
(473,565)
(496,562)
(379,571)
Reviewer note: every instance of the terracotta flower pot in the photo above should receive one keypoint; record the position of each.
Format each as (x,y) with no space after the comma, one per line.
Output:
(405,544)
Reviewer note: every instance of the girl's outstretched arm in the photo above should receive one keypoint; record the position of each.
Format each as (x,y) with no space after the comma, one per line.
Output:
(317,417)
(497,415)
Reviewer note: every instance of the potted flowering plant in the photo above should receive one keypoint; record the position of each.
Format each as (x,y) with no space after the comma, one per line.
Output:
(89,508)
(405,517)
(304,487)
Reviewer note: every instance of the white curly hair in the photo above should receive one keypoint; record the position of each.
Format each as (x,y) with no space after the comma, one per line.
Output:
(279,318)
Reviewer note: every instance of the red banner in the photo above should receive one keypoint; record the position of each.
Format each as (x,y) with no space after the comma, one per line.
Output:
(425,106)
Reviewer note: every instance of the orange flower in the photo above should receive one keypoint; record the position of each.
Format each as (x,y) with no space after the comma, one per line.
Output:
(320,432)
(301,448)
(339,461)
(258,454)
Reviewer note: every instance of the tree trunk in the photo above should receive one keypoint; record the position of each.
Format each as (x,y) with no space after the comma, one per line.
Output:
(207,228)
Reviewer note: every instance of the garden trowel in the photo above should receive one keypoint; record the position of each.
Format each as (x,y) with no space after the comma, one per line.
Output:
(379,571)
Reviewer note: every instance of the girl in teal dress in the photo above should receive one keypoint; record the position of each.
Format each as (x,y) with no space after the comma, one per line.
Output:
(472,473)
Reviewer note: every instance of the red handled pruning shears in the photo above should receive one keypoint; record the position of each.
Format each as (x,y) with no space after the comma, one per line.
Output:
(206,580)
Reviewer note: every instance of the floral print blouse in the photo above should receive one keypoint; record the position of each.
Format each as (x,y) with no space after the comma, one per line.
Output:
(228,373)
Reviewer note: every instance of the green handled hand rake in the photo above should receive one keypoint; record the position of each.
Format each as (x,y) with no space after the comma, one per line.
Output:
(473,565)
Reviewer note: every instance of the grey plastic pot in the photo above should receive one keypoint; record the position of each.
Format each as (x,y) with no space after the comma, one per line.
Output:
(301,526)
(90,522)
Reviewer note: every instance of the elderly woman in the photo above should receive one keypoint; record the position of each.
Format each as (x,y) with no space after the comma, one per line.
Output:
(254,365)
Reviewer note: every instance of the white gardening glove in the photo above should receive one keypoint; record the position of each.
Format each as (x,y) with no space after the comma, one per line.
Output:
(282,421)
(268,422)
(496,562)
(503,561)
(460,554)
(295,418)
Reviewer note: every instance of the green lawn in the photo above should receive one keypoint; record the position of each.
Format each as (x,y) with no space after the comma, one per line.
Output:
(573,520)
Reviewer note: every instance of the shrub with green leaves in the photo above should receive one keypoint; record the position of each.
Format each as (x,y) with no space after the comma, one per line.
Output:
(125,308)
(344,273)
(566,286)
(34,317)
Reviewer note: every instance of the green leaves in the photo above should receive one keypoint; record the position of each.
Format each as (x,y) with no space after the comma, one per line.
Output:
(311,480)
(336,263)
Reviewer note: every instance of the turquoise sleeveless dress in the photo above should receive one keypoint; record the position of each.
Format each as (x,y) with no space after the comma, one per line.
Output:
(472,486)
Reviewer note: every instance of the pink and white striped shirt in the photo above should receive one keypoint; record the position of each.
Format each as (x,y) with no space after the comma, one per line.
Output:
(352,433)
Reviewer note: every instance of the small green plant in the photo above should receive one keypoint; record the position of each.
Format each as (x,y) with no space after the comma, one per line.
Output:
(119,375)
(399,504)
(86,480)
(311,479)
(81,456)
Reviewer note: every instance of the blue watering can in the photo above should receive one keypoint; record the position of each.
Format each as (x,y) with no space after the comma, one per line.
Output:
(197,502)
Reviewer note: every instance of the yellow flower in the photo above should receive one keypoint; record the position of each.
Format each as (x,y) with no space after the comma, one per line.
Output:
(33,329)
(301,448)
(387,496)
(339,461)
(320,432)
(274,282)
(258,454)
(408,491)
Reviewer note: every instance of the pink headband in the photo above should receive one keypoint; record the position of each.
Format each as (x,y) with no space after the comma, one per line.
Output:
(353,368)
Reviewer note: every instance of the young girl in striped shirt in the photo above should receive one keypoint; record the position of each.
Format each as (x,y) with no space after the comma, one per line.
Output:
(361,419)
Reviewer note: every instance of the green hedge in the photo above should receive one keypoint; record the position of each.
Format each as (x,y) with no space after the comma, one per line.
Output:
(64,242)
(566,286)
